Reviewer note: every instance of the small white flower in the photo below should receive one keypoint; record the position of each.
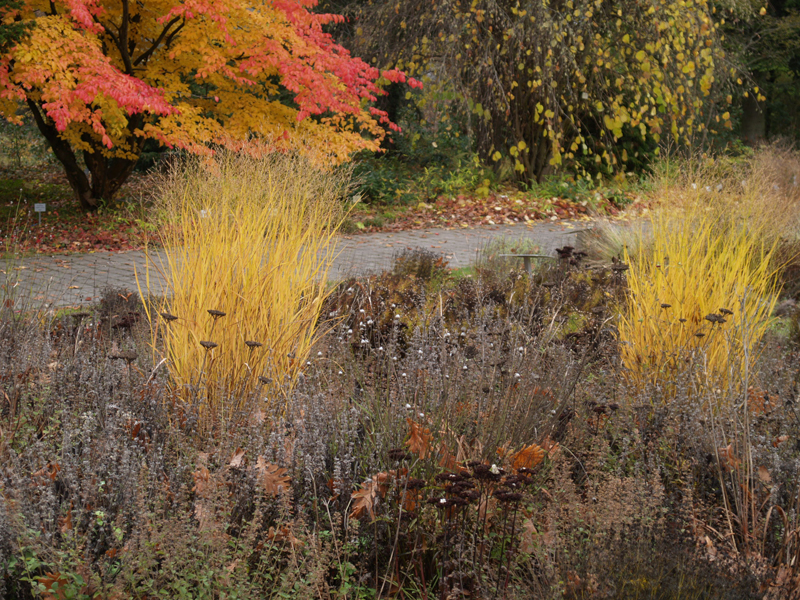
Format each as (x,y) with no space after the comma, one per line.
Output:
(495,469)
(362,311)
(319,353)
(694,186)
(552,412)
(517,375)
(369,321)
(421,415)
(394,358)
(340,373)
(394,305)
(464,367)
(408,406)
(308,362)
(364,342)
(521,349)
(349,290)
(442,501)
(397,316)
(434,144)
(708,188)
(419,351)
(380,348)
(404,375)
(349,331)
(491,345)
(447,376)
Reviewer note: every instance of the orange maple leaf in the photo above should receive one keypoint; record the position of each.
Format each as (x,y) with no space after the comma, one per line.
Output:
(528,457)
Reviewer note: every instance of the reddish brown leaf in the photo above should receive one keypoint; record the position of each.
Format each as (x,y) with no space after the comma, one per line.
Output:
(273,478)
(419,439)
(363,501)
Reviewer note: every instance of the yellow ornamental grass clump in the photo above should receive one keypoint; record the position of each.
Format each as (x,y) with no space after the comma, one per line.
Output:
(701,292)
(247,248)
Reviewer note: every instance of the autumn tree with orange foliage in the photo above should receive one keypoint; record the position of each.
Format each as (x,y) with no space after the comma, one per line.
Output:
(101,77)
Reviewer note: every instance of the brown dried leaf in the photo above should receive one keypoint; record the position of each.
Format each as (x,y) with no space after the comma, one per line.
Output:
(273,478)
(727,458)
(779,440)
(527,537)
(202,476)
(284,533)
(419,439)
(363,501)
(48,580)
(65,522)
(764,476)
(237,460)
(49,471)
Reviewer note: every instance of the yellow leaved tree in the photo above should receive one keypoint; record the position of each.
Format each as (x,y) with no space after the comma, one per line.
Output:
(552,81)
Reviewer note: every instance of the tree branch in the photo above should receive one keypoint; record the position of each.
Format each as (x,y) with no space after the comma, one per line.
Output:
(148,53)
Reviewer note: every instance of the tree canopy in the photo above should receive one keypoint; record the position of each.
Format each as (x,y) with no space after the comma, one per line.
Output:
(101,77)
(550,81)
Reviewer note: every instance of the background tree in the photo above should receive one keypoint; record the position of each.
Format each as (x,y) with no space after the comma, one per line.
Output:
(103,76)
(767,38)
(549,81)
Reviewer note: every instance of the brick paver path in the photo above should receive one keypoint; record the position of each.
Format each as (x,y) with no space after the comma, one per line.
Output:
(69,280)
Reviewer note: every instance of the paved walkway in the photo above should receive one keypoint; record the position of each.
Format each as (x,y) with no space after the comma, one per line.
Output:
(71,280)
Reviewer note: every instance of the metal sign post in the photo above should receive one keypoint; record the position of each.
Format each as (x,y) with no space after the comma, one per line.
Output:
(40,208)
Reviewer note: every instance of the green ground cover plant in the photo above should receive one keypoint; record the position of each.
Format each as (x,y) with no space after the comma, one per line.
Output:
(469,435)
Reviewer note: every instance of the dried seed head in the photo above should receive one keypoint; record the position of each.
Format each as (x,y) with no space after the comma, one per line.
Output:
(251,344)
(665,305)
(264,380)
(699,334)
(726,311)
(208,345)
(682,320)
(399,454)
(448,477)
(216,313)
(415,484)
(168,317)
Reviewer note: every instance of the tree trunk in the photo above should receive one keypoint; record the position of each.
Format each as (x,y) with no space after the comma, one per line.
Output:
(754,123)
(107,174)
